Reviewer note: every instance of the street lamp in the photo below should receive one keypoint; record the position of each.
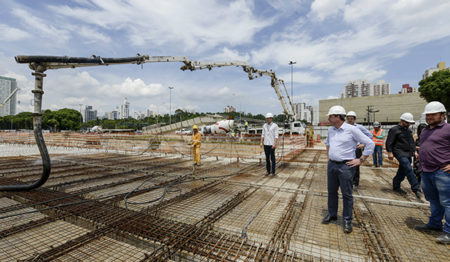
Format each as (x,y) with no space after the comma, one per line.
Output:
(292,63)
(81,119)
(170,104)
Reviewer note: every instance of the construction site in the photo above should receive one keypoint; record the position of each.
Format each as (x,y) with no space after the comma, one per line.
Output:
(70,196)
(123,197)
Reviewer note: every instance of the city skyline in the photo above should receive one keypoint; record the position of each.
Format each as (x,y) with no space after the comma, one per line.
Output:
(332,43)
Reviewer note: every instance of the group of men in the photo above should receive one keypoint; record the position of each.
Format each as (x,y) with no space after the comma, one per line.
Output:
(349,145)
(345,139)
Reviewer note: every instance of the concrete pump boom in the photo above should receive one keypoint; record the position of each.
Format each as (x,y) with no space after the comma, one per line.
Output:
(39,64)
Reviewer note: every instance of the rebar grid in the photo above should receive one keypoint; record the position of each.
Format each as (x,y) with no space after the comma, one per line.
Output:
(289,214)
(29,244)
(105,249)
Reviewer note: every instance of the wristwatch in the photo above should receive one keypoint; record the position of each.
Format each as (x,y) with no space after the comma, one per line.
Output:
(361,159)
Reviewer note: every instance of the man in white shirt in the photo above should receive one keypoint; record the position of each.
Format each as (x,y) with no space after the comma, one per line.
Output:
(341,143)
(269,139)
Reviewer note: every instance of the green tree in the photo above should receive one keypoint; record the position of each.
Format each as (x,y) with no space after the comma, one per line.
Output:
(437,88)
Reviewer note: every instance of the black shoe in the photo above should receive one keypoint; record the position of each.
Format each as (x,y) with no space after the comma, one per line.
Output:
(348,227)
(328,219)
(444,239)
(273,174)
(426,227)
(267,174)
(355,187)
(400,191)
(419,196)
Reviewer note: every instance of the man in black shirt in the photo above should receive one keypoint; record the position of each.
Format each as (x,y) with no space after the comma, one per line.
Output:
(400,144)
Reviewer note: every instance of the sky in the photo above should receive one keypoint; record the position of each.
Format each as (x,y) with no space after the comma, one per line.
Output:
(331,41)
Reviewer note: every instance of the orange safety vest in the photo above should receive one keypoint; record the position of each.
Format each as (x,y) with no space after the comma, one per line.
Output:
(377,141)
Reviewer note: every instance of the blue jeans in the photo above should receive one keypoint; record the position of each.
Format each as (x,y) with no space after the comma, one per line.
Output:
(340,175)
(436,188)
(405,170)
(378,155)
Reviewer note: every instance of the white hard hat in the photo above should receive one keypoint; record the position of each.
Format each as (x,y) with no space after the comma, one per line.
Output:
(434,107)
(408,117)
(351,113)
(336,110)
(269,115)
(376,124)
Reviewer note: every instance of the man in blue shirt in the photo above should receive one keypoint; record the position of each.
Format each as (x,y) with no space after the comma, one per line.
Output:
(341,143)
(351,120)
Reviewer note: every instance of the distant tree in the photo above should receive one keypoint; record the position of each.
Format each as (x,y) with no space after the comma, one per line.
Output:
(437,88)
(53,124)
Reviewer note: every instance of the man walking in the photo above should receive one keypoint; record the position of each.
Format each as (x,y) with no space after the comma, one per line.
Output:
(269,139)
(434,158)
(341,143)
(351,120)
(378,138)
(400,144)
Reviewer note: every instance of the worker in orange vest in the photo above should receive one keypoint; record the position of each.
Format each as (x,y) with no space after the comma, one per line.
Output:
(196,142)
(378,138)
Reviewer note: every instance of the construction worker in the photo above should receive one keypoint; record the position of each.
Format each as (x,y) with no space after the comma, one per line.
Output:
(196,142)
(246,126)
(310,136)
(351,120)
(269,139)
(434,158)
(400,144)
(341,143)
(378,138)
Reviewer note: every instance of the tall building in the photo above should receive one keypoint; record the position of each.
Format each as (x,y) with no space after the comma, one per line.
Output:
(125,109)
(229,109)
(381,88)
(7,86)
(440,66)
(149,113)
(89,114)
(304,112)
(358,88)
(113,115)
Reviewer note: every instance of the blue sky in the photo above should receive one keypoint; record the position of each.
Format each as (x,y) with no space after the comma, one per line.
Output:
(332,41)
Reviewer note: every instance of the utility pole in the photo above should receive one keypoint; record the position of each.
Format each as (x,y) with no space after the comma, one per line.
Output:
(292,63)
(373,111)
(170,104)
(81,119)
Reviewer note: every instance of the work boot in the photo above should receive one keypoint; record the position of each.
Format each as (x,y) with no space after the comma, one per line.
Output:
(348,227)
(426,227)
(328,219)
(419,196)
(444,239)
(400,191)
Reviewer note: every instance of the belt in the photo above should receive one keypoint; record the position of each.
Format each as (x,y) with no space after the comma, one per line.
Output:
(340,162)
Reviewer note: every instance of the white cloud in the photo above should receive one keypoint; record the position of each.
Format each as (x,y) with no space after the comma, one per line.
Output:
(301,77)
(8,33)
(41,26)
(321,9)
(92,36)
(227,54)
(132,88)
(192,25)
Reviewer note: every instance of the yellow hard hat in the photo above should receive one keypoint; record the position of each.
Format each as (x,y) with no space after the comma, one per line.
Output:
(195,127)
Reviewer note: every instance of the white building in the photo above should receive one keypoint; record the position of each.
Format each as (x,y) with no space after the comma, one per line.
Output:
(381,88)
(360,88)
(440,66)
(125,109)
(113,115)
(303,112)
(8,85)
(229,109)
(149,113)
